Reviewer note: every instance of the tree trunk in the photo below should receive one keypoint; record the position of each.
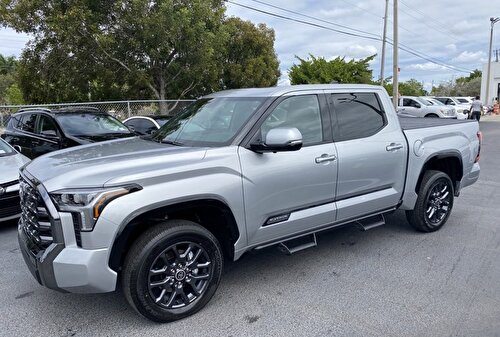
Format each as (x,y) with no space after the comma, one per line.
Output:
(163,104)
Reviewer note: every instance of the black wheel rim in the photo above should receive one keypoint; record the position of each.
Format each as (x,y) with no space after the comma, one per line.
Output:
(438,202)
(179,275)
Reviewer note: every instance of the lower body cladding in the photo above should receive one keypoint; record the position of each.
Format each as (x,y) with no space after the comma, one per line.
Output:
(64,266)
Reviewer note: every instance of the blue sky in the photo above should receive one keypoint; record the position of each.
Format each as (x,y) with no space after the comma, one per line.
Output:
(452,31)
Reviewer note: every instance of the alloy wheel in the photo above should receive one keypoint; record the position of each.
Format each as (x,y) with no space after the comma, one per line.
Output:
(438,202)
(179,275)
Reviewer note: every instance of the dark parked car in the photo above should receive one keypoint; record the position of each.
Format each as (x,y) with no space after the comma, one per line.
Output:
(146,125)
(38,131)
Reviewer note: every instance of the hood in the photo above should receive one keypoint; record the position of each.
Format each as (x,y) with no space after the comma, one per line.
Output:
(10,165)
(96,164)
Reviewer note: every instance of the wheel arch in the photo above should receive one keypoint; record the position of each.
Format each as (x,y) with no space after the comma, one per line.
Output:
(202,211)
(449,162)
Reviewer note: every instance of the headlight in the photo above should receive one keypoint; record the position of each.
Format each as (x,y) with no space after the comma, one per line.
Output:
(88,203)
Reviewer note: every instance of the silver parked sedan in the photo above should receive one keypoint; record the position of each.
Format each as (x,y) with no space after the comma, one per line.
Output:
(10,162)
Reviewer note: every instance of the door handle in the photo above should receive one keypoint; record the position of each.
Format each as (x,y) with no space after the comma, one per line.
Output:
(325,158)
(393,147)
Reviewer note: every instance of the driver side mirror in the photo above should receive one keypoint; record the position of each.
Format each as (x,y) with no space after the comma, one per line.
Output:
(279,139)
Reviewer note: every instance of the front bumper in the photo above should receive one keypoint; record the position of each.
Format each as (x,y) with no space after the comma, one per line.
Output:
(66,267)
(55,258)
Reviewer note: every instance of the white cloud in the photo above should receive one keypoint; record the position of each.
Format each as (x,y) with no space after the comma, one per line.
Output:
(338,12)
(360,51)
(451,47)
(427,66)
(468,56)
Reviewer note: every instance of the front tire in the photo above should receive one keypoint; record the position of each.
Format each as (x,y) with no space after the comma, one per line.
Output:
(172,270)
(434,202)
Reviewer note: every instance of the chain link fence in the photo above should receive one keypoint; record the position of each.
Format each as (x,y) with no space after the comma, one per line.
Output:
(119,109)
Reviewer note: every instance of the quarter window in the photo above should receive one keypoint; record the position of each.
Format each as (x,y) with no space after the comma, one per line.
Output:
(301,112)
(359,115)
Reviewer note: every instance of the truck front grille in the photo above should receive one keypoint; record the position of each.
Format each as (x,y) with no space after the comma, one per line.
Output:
(35,219)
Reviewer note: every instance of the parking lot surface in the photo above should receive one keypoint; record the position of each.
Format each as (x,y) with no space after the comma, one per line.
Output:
(389,281)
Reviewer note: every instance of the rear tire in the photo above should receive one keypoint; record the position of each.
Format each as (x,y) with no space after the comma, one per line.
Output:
(172,270)
(434,202)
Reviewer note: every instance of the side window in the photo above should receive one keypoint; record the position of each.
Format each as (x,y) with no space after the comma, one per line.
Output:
(359,115)
(46,126)
(28,122)
(301,112)
(407,102)
(14,122)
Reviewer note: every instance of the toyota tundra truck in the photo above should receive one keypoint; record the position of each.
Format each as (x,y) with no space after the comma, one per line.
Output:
(235,171)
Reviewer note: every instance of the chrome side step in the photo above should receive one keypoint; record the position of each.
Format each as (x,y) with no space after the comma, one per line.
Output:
(371,222)
(295,245)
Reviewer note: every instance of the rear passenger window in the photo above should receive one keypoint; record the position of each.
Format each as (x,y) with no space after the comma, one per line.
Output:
(301,112)
(359,115)
(27,122)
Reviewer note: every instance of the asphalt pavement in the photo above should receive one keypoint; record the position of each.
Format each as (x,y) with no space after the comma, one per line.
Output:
(389,281)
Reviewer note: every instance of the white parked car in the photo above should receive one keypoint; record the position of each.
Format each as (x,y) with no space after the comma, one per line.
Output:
(10,162)
(433,101)
(461,107)
(464,100)
(419,107)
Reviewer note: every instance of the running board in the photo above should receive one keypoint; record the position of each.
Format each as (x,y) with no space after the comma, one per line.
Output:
(295,245)
(371,222)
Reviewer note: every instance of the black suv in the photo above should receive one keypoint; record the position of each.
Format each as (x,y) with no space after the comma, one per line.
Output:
(38,131)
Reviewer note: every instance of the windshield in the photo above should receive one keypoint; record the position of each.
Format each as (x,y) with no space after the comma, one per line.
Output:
(90,124)
(5,148)
(209,121)
(423,101)
(436,102)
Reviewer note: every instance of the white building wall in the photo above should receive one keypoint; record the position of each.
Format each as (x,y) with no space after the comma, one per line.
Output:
(494,83)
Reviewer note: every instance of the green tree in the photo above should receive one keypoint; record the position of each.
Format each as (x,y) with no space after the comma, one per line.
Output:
(463,86)
(169,47)
(249,58)
(411,87)
(320,70)
(13,95)
(93,50)
(8,79)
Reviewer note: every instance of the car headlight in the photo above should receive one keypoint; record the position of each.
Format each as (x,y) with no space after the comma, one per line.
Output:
(88,203)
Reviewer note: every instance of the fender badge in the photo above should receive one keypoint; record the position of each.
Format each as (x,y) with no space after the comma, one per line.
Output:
(2,190)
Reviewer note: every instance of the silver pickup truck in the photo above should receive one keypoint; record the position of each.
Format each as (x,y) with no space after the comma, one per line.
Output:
(237,170)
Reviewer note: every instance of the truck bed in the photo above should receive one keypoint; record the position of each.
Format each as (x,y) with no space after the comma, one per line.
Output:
(410,123)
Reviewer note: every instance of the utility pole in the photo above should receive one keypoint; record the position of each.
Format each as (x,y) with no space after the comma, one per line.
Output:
(384,42)
(488,73)
(395,67)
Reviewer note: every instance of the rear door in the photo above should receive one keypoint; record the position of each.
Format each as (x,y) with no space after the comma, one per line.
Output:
(372,154)
(287,193)
(25,133)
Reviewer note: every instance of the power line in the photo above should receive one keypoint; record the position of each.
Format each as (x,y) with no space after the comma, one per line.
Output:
(402,47)
(448,34)
(304,22)
(311,17)
(427,16)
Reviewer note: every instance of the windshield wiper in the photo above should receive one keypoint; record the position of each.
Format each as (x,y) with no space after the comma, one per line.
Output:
(171,142)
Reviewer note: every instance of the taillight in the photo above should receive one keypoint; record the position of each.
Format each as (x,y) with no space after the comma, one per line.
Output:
(480,138)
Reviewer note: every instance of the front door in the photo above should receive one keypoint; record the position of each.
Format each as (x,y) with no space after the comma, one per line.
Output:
(287,193)
(372,154)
